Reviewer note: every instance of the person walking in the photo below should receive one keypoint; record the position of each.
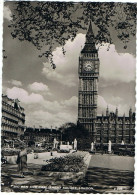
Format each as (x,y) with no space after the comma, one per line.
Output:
(22,161)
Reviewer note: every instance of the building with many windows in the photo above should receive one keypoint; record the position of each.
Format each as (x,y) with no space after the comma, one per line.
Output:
(115,128)
(13,119)
(34,136)
(88,84)
(102,129)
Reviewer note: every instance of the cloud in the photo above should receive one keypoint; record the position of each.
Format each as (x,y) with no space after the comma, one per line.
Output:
(62,112)
(53,113)
(44,112)
(65,106)
(73,102)
(7,13)
(15,82)
(71,106)
(66,72)
(54,75)
(102,105)
(116,100)
(116,67)
(46,119)
(38,87)
(4,89)
(52,106)
(23,95)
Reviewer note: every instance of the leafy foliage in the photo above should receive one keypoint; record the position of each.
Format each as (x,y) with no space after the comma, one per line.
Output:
(47,24)
(70,131)
(69,163)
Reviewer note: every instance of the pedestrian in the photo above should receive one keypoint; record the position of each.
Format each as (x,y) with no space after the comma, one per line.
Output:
(102,149)
(22,161)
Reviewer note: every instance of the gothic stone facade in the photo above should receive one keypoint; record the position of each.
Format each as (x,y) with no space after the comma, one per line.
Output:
(102,128)
(115,128)
(13,118)
(88,84)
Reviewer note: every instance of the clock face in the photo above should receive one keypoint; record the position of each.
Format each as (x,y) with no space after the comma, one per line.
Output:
(88,66)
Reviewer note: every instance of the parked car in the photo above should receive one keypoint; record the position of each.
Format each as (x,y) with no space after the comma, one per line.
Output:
(3,160)
(124,150)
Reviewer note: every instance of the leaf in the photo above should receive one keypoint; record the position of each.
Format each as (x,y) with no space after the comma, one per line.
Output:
(53,23)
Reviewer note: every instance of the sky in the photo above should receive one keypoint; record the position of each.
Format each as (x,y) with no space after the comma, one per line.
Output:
(50,97)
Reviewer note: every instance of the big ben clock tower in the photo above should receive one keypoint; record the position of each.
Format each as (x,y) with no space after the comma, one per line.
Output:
(88,84)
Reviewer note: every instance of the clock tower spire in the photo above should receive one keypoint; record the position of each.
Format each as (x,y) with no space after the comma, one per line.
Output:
(88,84)
(90,41)
(90,35)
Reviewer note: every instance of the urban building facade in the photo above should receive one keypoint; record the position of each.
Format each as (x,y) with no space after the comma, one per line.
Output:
(13,119)
(102,129)
(33,136)
(116,129)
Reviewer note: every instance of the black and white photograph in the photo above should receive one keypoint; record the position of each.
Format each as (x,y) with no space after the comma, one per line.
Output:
(68,97)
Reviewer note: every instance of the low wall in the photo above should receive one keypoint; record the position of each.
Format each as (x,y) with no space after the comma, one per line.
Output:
(11,159)
(87,161)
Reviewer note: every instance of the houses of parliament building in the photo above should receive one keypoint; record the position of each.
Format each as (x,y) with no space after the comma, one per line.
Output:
(110,127)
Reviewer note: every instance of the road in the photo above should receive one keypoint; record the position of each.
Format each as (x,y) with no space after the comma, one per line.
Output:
(108,173)
(113,162)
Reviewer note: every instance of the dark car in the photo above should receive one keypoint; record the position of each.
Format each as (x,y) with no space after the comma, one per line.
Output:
(3,160)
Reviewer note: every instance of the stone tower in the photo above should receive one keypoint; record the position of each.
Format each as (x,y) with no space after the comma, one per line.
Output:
(88,84)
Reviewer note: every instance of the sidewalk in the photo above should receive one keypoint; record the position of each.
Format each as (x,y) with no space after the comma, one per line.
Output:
(36,180)
(43,157)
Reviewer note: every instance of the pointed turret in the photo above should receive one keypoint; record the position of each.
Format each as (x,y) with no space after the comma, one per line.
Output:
(107,111)
(124,117)
(130,112)
(90,36)
(102,115)
(116,112)
(90,41)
